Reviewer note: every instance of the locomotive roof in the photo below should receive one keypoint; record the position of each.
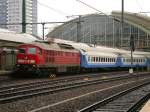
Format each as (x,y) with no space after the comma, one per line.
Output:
(53,46)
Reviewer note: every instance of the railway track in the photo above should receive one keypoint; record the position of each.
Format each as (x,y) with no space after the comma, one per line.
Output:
(129,100)
(4,78)
(37,83)
(21,84)
(47,87)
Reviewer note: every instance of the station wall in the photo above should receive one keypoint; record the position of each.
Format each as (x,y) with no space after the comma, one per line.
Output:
(7,60)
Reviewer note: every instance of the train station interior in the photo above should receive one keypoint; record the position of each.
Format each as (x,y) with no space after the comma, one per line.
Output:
(94,35)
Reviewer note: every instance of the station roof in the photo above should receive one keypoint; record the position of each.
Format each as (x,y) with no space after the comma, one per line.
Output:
(12,36)
(91,48)
(88,47)
(137,20)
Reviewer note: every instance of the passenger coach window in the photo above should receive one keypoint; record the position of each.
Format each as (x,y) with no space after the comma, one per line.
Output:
(31,51)
(88,58)
(21,50)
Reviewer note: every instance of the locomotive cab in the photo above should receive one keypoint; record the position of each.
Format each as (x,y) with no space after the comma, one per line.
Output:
(28,57)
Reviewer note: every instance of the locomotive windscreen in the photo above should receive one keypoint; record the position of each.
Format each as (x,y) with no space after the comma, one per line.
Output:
(21,50)
(31,51)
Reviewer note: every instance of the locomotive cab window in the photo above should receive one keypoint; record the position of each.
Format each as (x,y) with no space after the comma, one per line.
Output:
(31,50)
(21,50)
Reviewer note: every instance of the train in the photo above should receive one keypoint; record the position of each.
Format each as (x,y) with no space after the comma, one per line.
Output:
(45,57)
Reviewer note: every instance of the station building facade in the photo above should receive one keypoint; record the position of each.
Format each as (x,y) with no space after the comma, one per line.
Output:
(9,40)
(106,30)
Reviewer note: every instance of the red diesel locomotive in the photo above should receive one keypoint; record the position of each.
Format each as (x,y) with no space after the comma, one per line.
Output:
(43,58)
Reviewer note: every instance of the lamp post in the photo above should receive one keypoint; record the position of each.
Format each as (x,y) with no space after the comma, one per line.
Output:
(43,26)
(122,23)
(132,48)
(79,28)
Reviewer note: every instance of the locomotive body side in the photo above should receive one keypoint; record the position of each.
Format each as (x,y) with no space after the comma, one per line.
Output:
(60,61)
(41,58)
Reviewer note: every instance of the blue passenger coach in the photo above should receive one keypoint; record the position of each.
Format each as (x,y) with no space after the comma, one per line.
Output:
(97,59)
(138,61)
(93,59)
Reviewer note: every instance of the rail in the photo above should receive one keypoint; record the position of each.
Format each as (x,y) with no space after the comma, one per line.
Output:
(113,101)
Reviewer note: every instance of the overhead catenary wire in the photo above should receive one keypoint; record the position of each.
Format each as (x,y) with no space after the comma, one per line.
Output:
(56,10)
(92,7)
(42,23)
(139,4)
(36,23)
(144,12)
(53,9)
(100,12)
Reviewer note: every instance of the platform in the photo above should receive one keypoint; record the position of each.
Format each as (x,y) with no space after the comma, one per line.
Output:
(3,72)
(146,107)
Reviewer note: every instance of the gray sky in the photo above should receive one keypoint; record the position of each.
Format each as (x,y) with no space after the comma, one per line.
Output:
(57,10)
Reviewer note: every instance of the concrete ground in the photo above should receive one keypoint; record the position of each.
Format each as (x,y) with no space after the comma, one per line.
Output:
(3,72)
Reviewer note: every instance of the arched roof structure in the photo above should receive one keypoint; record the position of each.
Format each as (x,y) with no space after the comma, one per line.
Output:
(106,30)
(137,20)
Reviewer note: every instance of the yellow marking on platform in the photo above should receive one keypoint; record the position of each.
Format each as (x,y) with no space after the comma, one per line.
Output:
(104,77)
(86,78)
(146,107)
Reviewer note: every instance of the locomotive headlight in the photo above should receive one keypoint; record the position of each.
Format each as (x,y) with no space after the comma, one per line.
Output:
(32,61)
(34,65)
(20,61)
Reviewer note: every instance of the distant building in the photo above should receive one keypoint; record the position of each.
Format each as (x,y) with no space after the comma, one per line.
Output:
(106,30)
(3,13)
(11,12)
